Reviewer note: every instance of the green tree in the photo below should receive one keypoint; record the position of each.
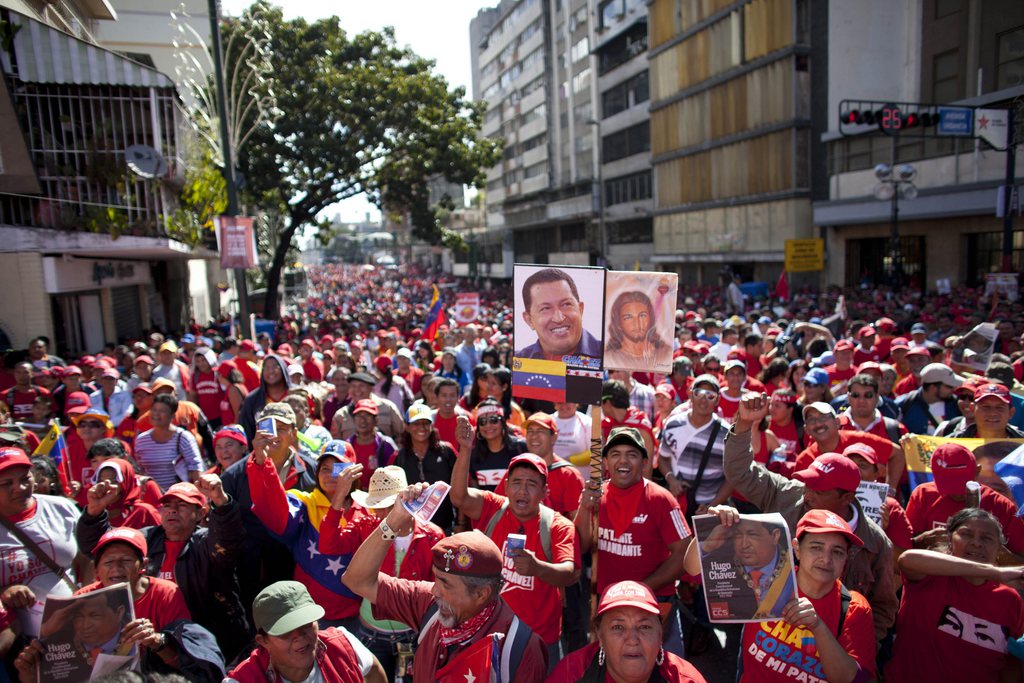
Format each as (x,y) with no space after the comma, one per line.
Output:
(360,115)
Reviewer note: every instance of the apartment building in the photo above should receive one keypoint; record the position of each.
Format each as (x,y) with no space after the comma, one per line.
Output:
(731,134)
(966,53)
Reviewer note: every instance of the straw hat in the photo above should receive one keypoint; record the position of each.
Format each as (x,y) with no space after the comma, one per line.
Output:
(385,484)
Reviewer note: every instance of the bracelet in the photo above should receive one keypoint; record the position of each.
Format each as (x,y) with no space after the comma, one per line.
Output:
(163,644)
(386,532)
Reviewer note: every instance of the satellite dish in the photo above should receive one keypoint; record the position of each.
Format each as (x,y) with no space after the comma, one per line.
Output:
(145,161)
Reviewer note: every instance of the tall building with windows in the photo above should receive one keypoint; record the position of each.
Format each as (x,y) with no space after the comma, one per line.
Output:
(543,69)
(731,134)
(967,53)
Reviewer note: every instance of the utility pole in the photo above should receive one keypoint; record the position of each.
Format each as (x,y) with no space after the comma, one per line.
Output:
(1008,191)
(229,164)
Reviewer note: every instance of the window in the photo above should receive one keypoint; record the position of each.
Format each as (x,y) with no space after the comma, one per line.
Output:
(573,237)
(946,76)
(625,95)
(536,170)
(1010,59)
(633,140)
(985,255)
(611,12)
(581,81)
(623,48)
(581,113)
(630,188)
(580,50)
(631,232)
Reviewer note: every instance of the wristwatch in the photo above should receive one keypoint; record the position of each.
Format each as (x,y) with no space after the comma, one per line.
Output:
(386,532)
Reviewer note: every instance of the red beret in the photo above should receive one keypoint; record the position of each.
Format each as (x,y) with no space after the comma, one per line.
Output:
(469,553)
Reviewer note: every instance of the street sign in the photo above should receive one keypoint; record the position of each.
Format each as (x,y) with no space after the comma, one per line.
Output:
(956,121)
(805,256)
(991,126)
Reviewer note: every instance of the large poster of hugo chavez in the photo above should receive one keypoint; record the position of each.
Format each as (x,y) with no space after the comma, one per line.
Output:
(747,567)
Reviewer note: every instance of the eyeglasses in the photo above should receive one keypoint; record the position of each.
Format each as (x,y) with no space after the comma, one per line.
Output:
(492,420)
(869,394)
(706,394)
(91,424)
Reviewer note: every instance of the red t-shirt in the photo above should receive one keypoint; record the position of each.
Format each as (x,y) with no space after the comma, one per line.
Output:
(775,652)
(951,630)
(364,452)
(162,603)
(173,549)
(643,547)
(575,665)
(860,355)
(898,530)
(927,509)
(565,486)
(837,376)
(314,370)
(209,393)
(412,377)
(882,446)
(906,385)
(877,427)
(20,402)
(250,373)
(634,418)
(445,426)
(537,603)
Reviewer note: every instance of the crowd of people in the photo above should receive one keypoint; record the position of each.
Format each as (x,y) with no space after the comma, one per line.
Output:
(252,493)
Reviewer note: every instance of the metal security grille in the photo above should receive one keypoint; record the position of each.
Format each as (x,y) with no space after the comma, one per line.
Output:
(127,312)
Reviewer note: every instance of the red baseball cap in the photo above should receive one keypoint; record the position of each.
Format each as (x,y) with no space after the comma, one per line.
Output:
(843,345)
(885,324)
(952,467)
(144,359)
(72,370)
(529,459)
(76,402)
(383,363)
(863,450)
(122,534)
(365,406)
(826,522)
(919,351)
(830,471)
(143,387)
(185,491)
(628,594)
(308,342)
(666,390)
(869,366)
(247,345)
(111,373)
(225,368)
(233,432)
(970,385)
(992,389)
(12,456)
(544,420)
(865,331)
(899,343)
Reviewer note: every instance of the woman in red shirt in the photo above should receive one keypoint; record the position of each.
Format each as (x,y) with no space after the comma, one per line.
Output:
(117,477)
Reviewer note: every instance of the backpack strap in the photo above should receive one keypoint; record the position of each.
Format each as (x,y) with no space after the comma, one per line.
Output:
(547,520)
(559,464)
(429,617)
(892,429)
(492,523)
(844,605)
(513,647)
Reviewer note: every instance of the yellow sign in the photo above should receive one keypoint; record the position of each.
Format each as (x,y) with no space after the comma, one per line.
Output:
(804,256)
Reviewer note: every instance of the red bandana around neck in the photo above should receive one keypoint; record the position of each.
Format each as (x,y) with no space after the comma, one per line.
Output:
(468,628)
(622,505)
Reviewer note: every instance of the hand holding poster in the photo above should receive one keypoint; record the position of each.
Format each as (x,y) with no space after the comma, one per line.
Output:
(426,504)
(872,495)
(81,635)
(640,321)
(747,567)
(975,348)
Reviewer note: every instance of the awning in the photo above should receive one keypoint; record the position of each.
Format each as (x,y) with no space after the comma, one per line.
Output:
(45,55)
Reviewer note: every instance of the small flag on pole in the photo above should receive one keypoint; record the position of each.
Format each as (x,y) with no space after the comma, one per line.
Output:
(543,380)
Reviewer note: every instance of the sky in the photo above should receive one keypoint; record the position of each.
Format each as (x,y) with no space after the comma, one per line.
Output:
(436,29)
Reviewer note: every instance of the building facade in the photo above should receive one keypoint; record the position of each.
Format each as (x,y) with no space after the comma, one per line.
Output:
(932,52)
(731,134)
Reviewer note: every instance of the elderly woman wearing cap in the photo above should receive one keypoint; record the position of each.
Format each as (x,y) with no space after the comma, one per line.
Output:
(296,518)
(293,647)
(408,558)
(168,640)
(628,646)
(230,446)
(117,485)
(957,616)
(458,613)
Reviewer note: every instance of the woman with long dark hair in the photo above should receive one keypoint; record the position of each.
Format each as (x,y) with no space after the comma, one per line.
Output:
(502,391)
(494,447)
(425,458)
(479,389)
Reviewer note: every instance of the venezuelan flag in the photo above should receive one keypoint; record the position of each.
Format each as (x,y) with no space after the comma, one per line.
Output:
(543,380)
(53,444)
(435,316)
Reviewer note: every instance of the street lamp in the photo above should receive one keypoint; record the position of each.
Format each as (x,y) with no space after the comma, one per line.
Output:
(602,231)
(893,185)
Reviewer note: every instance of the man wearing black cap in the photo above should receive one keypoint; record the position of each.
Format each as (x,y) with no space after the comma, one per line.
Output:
(641,533)
(457,613)
(550,558)
(390,421)
(292,647)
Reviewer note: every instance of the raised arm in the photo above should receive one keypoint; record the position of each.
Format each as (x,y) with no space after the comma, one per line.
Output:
(917,564)
(469,500)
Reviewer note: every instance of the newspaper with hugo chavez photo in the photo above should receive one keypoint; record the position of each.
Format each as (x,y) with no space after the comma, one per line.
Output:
(747,568)
(81,635)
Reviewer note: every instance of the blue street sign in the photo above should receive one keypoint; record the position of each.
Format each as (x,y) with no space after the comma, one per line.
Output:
(956,121)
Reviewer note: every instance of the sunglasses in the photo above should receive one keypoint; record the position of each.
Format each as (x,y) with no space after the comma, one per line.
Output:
(492,420)
(707,394)
(91,424)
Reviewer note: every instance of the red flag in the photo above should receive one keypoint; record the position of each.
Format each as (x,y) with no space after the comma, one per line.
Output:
(782,288)
(472,665)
